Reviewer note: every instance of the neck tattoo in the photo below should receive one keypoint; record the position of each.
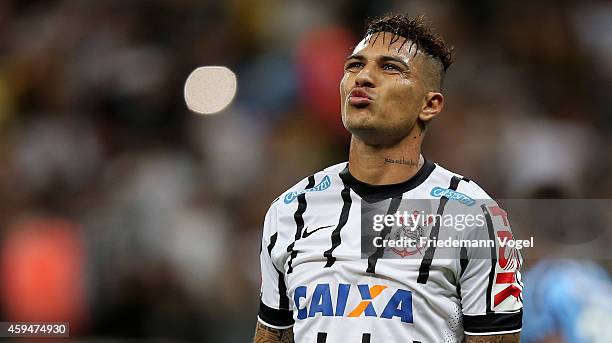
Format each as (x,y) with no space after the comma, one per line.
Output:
(409,162)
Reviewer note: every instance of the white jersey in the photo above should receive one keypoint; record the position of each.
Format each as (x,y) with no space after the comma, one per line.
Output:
(316,279)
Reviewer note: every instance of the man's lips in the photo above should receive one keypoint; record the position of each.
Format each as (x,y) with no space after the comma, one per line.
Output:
(359,97)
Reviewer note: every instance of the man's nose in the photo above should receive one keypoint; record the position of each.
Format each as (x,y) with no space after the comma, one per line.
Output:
(366,77)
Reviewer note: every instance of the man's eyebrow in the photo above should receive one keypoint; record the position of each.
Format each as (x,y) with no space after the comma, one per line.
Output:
(383,58)
(355,57)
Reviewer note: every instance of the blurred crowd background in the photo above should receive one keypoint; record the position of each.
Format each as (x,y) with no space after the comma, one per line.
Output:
(133,218)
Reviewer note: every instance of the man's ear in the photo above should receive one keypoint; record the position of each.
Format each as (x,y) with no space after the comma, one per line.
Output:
(434,102)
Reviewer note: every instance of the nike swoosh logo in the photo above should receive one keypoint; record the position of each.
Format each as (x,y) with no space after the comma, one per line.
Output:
(306,233)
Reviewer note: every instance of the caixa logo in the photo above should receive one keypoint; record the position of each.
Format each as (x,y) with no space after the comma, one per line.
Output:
(452,195)
(399,305)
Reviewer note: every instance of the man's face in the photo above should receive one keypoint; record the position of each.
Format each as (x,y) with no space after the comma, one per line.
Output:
(383,89)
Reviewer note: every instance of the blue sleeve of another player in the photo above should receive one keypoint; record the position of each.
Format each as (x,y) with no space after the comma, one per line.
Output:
(567,298)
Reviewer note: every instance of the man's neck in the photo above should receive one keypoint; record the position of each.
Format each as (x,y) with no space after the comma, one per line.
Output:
(385,165)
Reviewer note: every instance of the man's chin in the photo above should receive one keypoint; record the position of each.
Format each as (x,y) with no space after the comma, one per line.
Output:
(371,132)
(366,132)
(357,124)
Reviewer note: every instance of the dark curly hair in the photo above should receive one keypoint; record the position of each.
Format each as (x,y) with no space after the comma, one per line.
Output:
(418,31)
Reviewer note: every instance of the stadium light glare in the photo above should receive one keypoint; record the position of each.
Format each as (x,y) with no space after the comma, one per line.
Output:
(210,89)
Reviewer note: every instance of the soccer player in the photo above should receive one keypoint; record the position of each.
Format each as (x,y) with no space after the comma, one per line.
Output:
(317,286)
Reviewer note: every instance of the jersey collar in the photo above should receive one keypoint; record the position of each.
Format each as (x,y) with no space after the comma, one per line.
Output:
(374,193)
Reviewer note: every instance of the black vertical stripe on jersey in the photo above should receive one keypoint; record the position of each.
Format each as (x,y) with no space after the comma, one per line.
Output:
(429,253)
(365,338)
(518,279)
(283,299)
(493,256)
(321,337)
(463,261)
(299,222)
(272,243)
(373,259)
(335,235)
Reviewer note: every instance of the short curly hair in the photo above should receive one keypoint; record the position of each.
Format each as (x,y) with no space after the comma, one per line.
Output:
(415,29)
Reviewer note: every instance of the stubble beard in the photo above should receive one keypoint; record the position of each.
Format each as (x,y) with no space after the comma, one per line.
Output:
(376,133)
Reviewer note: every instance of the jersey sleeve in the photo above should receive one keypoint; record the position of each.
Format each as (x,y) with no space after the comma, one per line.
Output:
(274,308)
(490,281)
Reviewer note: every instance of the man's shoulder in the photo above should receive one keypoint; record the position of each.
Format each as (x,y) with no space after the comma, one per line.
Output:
(318,181)
(445,179)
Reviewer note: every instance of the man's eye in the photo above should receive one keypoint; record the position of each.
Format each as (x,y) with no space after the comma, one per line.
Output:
(353,65)
(390,67)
